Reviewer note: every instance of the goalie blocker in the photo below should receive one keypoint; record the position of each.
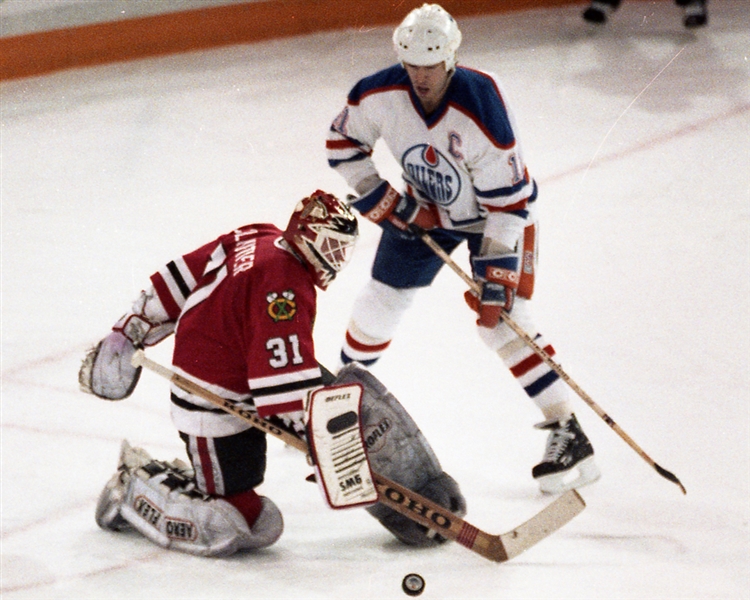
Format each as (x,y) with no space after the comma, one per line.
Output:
(337,448)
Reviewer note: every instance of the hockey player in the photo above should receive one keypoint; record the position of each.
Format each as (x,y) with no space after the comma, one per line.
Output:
(242,309)
(695,11)
(465,179)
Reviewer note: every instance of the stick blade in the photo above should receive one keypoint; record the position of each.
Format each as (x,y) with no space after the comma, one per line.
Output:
(670,476)
(543,524)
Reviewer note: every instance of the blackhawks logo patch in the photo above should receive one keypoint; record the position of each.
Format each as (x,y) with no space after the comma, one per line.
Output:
(281,307)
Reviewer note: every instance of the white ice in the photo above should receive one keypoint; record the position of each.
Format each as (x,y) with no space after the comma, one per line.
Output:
(639,136)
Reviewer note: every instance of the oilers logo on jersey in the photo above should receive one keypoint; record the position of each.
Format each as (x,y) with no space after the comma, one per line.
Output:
(432,174)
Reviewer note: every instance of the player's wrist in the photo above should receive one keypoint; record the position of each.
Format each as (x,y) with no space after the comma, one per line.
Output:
(379,203)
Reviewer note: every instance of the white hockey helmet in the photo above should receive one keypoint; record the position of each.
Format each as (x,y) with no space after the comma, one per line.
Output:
(427,36)
(323,230)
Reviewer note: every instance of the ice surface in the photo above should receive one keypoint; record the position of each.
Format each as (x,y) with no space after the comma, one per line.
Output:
(639,136)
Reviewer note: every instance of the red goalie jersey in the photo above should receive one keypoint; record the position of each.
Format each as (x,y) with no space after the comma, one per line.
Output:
(244,306)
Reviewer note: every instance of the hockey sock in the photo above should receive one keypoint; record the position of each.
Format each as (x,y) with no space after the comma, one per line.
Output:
(538,380)
(375,317)
(248,503)
(362,348)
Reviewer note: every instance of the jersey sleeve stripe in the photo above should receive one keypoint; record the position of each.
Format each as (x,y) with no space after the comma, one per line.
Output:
(345,143)
(286,388)
(165,296)
(174,284)
(204,292)
(342,149)
(335,162)
(508,191)
(284,393)
(518,209)
(514,199)
(178,280)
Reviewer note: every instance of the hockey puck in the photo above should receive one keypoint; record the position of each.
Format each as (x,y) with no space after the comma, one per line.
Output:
(413,584)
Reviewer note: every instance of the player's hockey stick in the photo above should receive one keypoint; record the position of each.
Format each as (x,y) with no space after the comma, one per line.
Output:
(498,548)
(474,286)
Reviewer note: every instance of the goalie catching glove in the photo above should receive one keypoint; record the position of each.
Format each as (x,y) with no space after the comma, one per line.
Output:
(106,370)
(398,450)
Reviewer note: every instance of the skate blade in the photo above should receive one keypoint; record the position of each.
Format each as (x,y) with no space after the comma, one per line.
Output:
(584,473)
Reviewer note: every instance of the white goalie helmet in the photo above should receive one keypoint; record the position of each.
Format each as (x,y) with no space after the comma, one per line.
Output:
(427,36)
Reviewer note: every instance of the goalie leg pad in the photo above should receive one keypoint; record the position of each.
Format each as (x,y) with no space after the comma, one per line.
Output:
(160,501)
(107,512)
(443,490)
(398,450)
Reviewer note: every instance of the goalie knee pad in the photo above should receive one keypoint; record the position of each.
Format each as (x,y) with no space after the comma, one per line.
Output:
(160,501)
(398,450)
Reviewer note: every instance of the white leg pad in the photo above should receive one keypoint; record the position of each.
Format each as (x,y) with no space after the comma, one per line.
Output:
(157,500)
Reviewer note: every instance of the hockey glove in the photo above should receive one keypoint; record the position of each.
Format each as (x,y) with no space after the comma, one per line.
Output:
(498,277)
(106,371)
(389,209)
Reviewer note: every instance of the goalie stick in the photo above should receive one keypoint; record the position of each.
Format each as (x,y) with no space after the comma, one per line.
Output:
(539,351)
(498,548)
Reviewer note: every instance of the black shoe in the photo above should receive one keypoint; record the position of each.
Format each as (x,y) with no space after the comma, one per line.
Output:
(600,10)
(696,14)
(568,460)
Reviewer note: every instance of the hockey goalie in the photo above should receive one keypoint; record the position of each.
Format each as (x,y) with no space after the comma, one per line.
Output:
(242,309)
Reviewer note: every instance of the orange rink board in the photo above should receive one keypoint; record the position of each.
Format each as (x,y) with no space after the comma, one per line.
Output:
(88,45)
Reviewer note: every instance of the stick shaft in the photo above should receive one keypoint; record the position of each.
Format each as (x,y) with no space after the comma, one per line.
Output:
(395,496)
(539,351)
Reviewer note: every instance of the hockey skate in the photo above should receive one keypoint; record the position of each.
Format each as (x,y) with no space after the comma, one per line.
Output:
(107,513)
(568,460)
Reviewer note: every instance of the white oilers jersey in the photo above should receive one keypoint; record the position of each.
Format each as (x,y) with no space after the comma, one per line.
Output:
(464,158)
